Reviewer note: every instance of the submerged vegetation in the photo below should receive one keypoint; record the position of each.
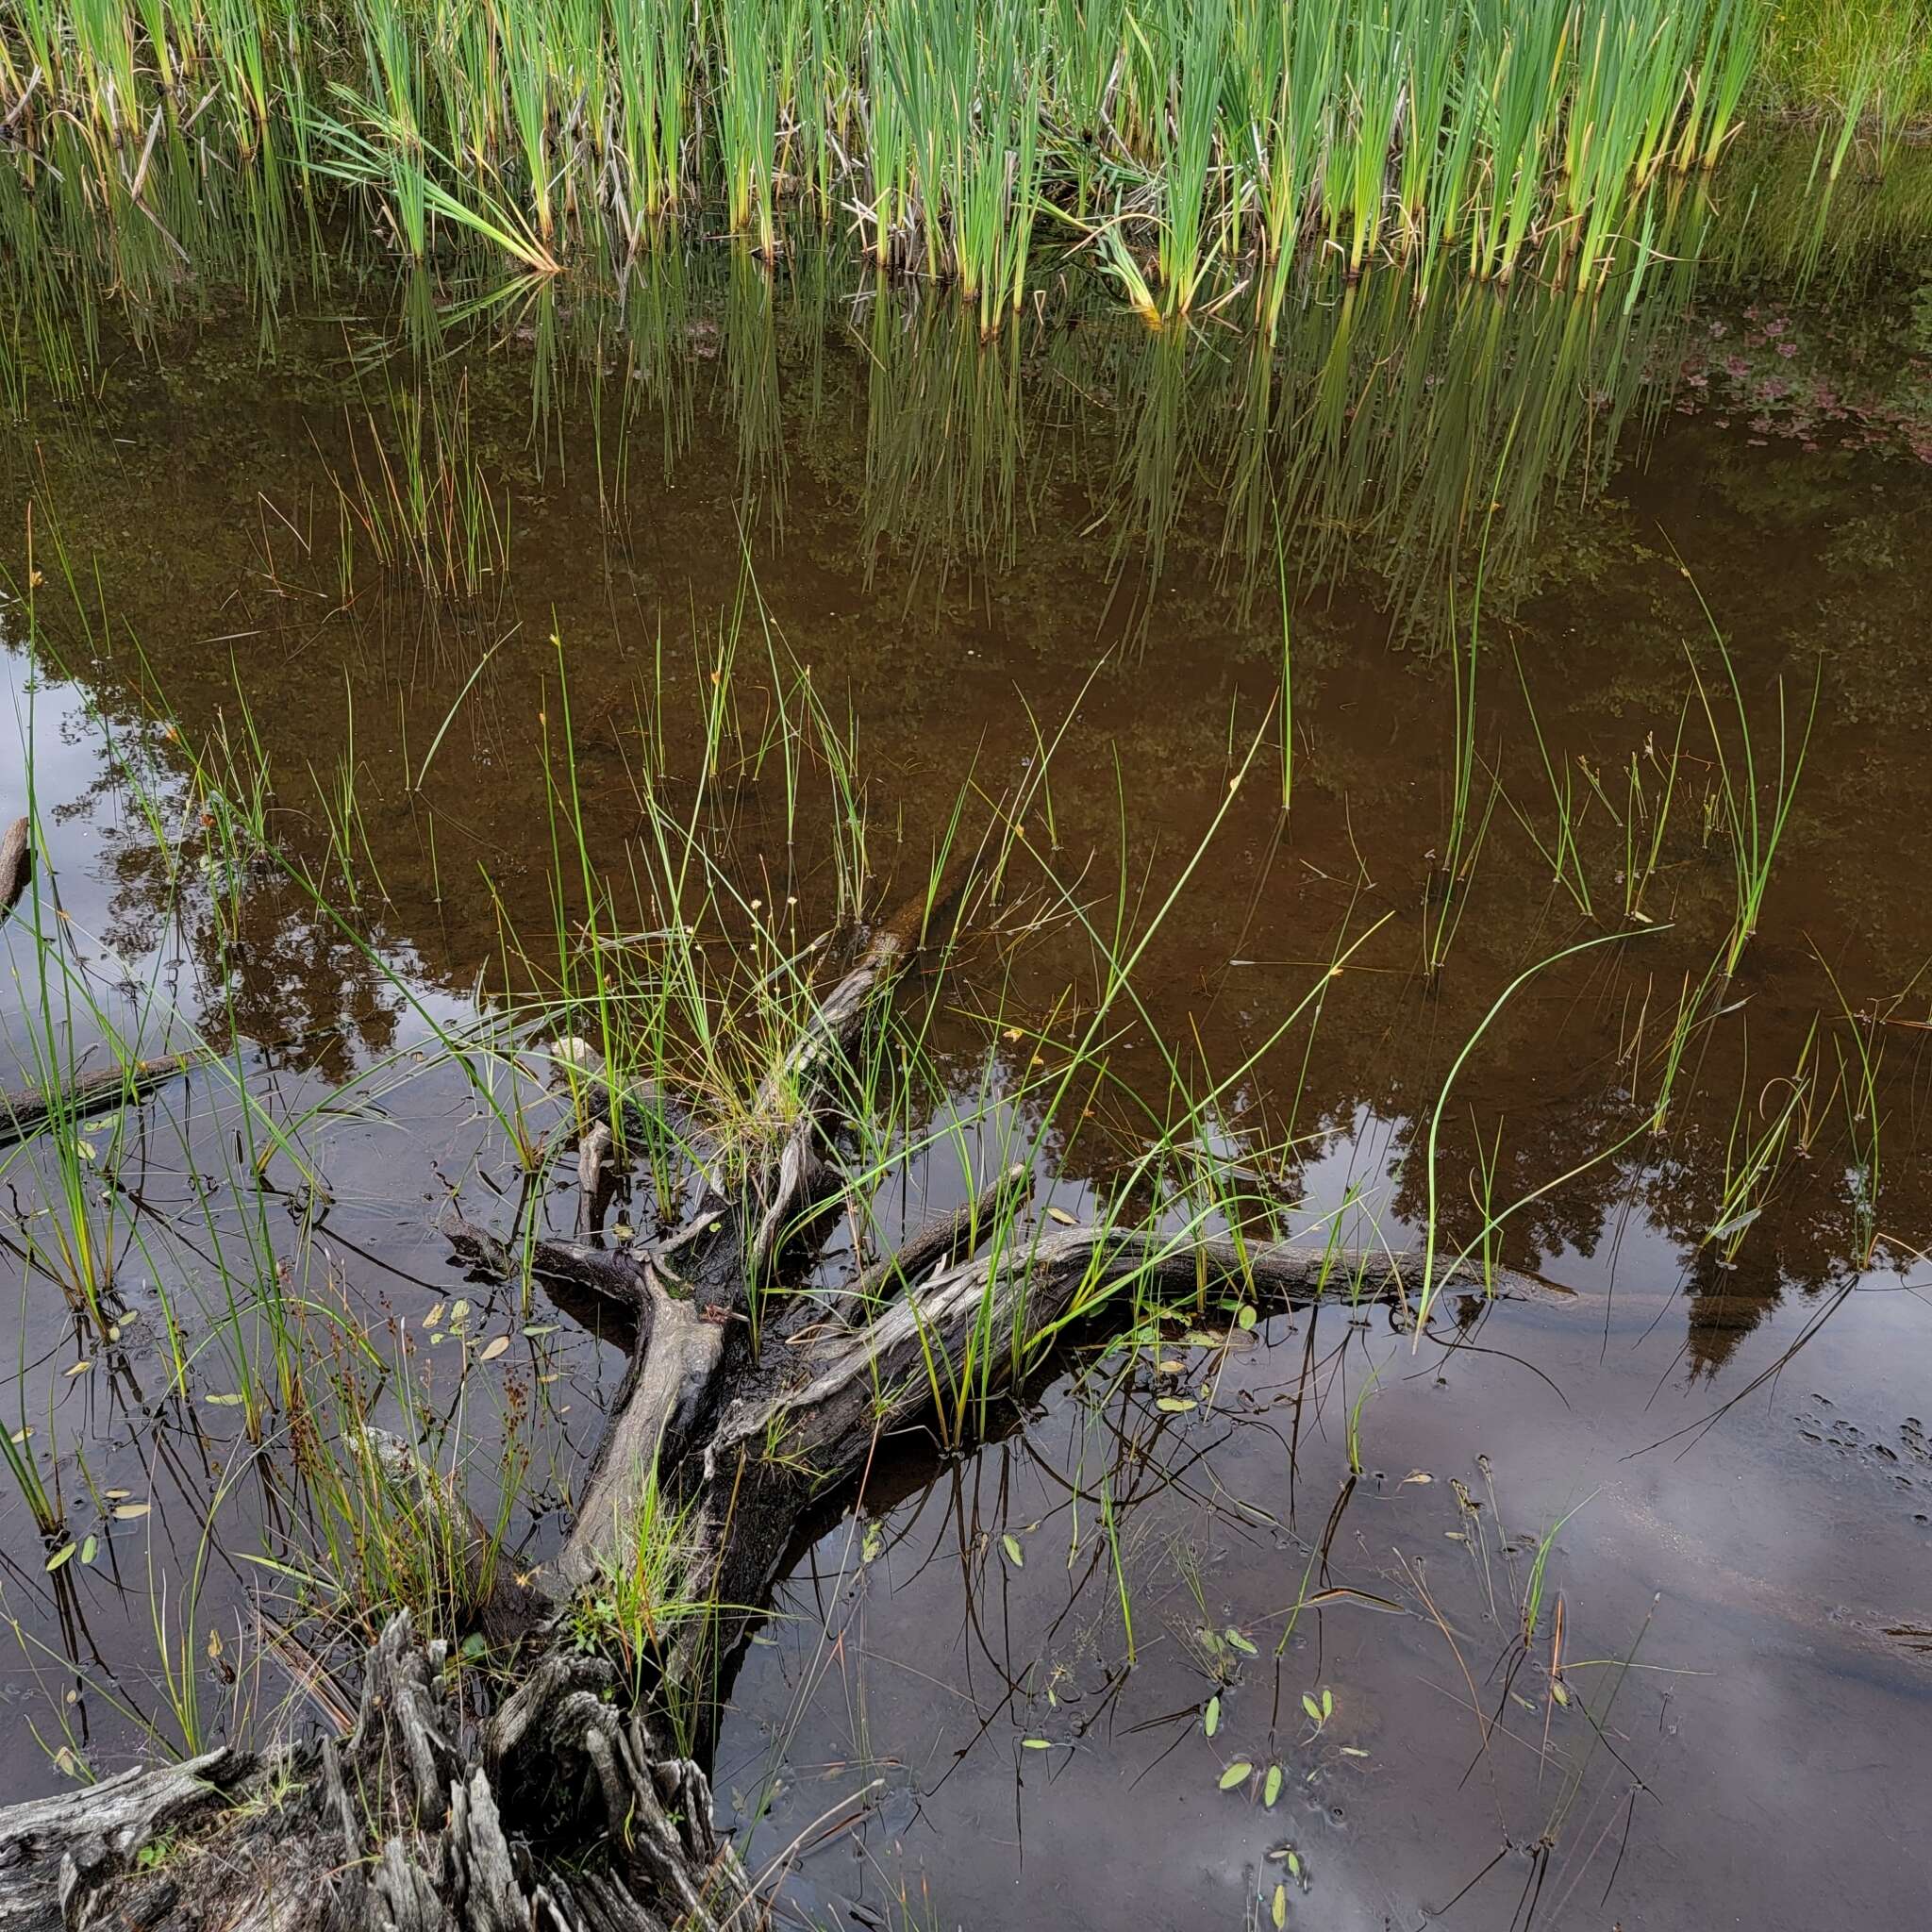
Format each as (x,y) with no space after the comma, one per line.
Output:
(1193,153)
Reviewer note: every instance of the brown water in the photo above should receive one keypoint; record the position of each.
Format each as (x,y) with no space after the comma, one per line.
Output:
(1081,523)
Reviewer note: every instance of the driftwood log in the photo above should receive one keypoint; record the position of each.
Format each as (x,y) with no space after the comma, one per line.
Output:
(16,865)
(545,1798)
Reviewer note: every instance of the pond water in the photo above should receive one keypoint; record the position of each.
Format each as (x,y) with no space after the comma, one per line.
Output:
(1479,547)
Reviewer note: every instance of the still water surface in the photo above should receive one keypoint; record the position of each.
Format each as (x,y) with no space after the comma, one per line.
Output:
(1091,528)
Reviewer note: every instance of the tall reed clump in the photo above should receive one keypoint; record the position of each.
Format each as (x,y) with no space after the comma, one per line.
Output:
(1195,149)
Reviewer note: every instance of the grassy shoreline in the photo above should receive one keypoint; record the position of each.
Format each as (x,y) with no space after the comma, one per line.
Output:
(1196,153)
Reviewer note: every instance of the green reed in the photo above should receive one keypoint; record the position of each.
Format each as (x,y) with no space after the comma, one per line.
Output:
(1195,149)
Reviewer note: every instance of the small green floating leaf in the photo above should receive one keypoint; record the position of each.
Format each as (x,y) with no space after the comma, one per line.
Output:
(1327,1705)
(1295,1865)
(1235,1773)
(60,1557)
(1210,1717)
(1015,1554)
(1176,1405)
(1036,1744)
(1278,1912)
(1239,1643)
(1246,1317)
(1270,1789)
(1313,1710)
(88,1549)
(225,1401)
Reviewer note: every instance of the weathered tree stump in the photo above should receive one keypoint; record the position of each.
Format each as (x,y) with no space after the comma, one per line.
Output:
(554,1804)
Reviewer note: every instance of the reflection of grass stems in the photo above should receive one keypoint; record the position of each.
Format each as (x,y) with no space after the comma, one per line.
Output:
(1754,1154)
(1753,835)
(1111,1528)
(1469,1046)
(1565,861)
(1862,1117)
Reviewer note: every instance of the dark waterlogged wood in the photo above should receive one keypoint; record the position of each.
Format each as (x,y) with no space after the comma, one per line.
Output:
(555,1804)
(28,1109)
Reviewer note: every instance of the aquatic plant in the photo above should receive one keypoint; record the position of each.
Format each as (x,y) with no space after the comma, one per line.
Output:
(1191,149)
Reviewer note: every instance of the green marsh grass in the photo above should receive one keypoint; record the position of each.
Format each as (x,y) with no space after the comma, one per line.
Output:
(1754,794)
(1198,149)
(1755,1149)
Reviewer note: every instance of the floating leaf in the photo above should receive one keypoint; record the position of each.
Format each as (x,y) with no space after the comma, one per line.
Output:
(1295,1864)
(1062,1215)
(1176,1405)
(493,1349)
(1327,1705)
(1280,1910)
(1240,1642)
(81,1368)
(1235,1773)
(1015,1554)
(225,1401)
(1313,1710)
(88,1549)
(1210,1717)
(1417,1476)
(1036,1744)
(434,1316)
(61,1556)
(129,1511)
(1245,1316)
(533,1329)
(1271,1787)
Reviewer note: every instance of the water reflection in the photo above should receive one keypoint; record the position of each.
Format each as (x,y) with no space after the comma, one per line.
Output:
(1394,433)
(703,468)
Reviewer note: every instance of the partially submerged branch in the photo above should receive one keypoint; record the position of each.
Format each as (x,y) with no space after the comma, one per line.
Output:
(558,1809)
